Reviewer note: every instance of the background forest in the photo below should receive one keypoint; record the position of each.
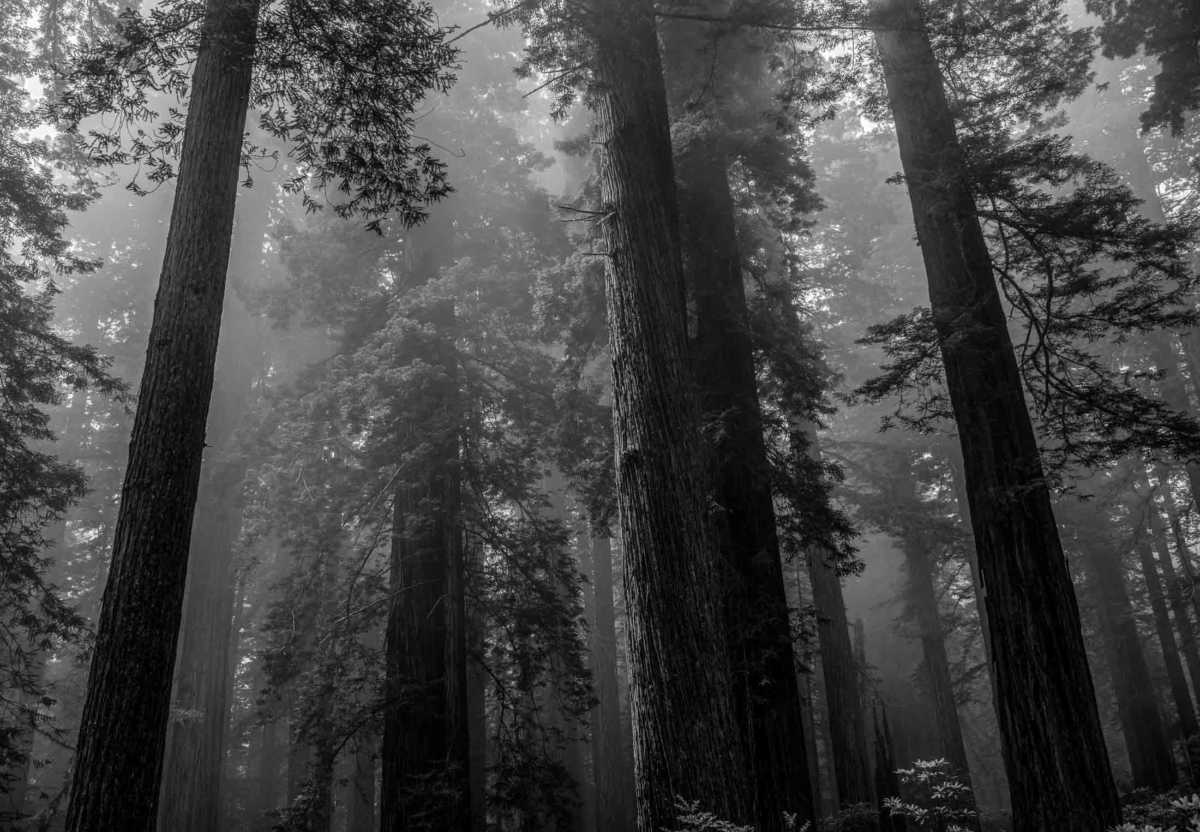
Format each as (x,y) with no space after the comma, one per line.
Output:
(713,415)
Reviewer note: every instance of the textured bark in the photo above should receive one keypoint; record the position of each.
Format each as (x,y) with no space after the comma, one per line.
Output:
(843,690)
(614,792)
(124,724)
(425,757)
(1053,744)
(1150,756)
(1185,711)
(686,733)
(760,639)
(190,796)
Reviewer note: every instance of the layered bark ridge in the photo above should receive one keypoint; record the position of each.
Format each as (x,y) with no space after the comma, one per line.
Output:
(1053,745)
(123,728)
(688,744)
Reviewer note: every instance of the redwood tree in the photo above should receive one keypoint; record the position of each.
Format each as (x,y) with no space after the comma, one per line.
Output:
(1054,748)
(317,94)
(687,740)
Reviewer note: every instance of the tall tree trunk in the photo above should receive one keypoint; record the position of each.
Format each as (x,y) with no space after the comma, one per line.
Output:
(190,799)
(842,676)
(687,739)
(477,682)
(1185,710)
(425,758)
(1053,744)
(190,796)
(843,692)
(124,725)
(923,596)
(1190,584)
(1179,606)
(360,810)
(760,638)
(588,810)
(269,776)
(572,749)
(805,661)
(614,799)
(1150,756)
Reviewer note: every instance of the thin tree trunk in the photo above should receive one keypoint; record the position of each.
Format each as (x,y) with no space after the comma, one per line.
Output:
(843,694)
(1183,622)
(1150,758)
(768,697)
(805,680)
(1190,584)
(1185,710)
(1053,744)
(686,732)
(360,791)
(589,812)
(124,725)
(923,596)
(614,801)
(477,727)
(268,778)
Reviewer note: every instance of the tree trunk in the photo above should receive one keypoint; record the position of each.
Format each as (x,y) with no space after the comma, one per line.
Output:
(190,799)
(477,724)
(425,758)
(124,725)
(1150,756)
(1190,585)
(843,693)
(190,796)
(268,779)
(759,629)
(804,661)
(614,800)
(686,733)
(1183,622)
(1053,744)
(1185,710)
(923,596)
(360,809)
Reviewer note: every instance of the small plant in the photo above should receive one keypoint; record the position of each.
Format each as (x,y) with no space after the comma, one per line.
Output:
(860,817)
(1161,813)
(696,819)
(940,801)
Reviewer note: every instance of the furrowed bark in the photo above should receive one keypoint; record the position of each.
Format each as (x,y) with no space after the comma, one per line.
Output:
(759,628)
(123,728)
(1053,745)
(686,735)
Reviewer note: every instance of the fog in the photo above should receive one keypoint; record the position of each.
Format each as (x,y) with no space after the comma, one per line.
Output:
(599,415)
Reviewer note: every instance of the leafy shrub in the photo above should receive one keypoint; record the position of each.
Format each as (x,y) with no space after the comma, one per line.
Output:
(940,802)
(1164,812)
(861,817)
